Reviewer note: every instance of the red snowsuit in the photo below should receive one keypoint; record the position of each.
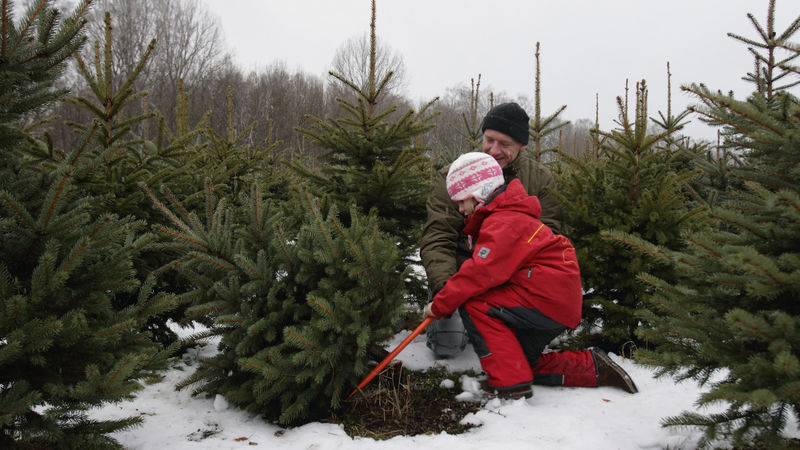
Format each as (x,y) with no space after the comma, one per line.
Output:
(521,279)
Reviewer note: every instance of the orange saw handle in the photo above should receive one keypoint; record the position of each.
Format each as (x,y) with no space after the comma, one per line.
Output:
(391,356)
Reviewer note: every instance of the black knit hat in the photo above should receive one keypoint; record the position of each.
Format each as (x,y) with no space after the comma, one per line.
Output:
(508,118)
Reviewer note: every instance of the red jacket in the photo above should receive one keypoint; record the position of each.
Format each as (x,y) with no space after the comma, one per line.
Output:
(513,246)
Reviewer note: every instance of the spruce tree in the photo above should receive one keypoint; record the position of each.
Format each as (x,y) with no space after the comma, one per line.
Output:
(374,162)
(66,344)
(299,298)
(471,131)
(27,81)
(140,148)
(541,128)
(731,320)
(232,161)
(127,149)
(630,185)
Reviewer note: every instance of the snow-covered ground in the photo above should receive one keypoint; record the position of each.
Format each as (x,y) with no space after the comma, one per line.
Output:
(555,418)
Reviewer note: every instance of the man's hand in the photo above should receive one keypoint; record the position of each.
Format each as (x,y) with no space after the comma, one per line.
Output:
(428,311)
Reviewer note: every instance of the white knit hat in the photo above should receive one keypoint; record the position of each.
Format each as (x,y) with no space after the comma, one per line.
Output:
(475,175)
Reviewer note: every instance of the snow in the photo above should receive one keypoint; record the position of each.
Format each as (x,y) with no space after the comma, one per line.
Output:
(555,418)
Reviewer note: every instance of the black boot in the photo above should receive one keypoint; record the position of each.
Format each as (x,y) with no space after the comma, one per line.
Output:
(610,374)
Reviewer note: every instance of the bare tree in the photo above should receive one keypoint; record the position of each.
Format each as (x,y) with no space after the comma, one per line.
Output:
(460,111)
(352,61)
(278,100)
(189,45)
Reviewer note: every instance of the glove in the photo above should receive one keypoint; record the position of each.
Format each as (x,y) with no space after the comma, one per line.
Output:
(429,311)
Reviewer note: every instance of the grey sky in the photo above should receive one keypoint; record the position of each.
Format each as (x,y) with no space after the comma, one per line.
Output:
(588,47)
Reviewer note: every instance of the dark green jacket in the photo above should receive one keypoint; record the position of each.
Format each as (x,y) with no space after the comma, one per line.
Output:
(443,247)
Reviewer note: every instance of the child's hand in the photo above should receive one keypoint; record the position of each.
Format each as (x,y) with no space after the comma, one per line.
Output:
(428,311)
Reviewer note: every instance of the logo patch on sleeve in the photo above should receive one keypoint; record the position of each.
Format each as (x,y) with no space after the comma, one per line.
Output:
(483,252)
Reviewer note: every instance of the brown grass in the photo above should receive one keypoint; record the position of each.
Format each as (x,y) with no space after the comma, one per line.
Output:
(406,403)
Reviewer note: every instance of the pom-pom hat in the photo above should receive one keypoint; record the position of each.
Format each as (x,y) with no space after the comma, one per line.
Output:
(474,175)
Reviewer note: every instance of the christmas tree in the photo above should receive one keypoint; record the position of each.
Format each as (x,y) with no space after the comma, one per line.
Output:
(139,148)
(630,185)
(28,79)
(66,344)
(125,149)
(544,128)
(300,299)
(375,163)
(731,319)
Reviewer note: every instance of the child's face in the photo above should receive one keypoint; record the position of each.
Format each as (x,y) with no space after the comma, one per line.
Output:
(467,206)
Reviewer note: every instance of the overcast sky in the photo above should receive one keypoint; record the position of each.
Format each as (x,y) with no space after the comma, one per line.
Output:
(588,47)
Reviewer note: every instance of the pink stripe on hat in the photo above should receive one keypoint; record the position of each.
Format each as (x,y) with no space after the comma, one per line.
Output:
(473,174)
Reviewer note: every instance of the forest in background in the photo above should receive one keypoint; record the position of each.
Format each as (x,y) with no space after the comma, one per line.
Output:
(273,97)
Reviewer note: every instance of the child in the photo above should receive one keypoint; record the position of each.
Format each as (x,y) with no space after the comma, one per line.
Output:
(520,289)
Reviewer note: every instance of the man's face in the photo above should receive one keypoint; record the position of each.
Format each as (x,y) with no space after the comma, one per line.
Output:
(503,148)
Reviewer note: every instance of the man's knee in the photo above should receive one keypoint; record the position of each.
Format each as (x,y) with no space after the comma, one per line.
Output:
(446,337)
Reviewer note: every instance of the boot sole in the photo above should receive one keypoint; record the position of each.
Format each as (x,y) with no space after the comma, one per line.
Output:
(609,362)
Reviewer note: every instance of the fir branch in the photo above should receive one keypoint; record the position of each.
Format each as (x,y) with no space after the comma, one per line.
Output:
(214,260)
(790,199)
(121,286)
(178,206)
(352,246)
(19,210)
(23,403)
(197,337)
(256,206)
(730,106)
(743,177)
(91,81)
(248,267)
(736,317)
(44,338)
(261,369)
(160,206)
(319,222)
(182,237)
(128,324)
(70,44)
(160,303)
(126,87)
(121,370)
(26,27)
(203,310)
(75,255)
(188,274)
(80,12)
(51,207)
(209,204)
(188,297)
(281,240)
(730,220)
(704,247)
(229,322)
(637,243)
(100,225)
(308,345)
(78,151)
(324,308)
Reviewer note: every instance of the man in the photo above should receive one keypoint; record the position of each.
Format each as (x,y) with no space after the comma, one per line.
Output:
(443,247)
